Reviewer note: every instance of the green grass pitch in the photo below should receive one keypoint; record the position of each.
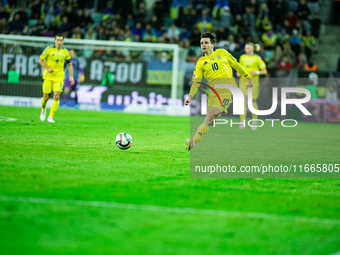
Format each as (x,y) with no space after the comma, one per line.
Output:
(65,188)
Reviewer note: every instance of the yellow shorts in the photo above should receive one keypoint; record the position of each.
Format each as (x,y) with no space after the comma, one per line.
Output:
(226,100)
(55,85)
(243,86)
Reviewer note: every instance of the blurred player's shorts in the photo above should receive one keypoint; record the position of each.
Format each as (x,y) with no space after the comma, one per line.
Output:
(67,84)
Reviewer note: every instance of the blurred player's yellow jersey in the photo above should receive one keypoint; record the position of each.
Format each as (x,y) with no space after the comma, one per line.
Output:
(55,59)
(252,63)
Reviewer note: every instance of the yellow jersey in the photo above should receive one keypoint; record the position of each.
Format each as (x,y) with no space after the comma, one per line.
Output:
(216,69)
(252,63)
(55,59)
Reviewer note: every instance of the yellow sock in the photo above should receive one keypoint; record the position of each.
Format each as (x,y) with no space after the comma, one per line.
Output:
(43,103)
(201,131)
(243,116)
(256,107)
(54,107)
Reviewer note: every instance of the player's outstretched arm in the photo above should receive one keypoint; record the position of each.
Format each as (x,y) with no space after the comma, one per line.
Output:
(187,101)
(196,79)
(243,73)
(262,71)
(42,63)
(240,69)
(70,70)
(193,90)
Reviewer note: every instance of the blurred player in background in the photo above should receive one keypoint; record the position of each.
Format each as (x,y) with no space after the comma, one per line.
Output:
(78,75)
(215,67)
(52,60)
(254,65)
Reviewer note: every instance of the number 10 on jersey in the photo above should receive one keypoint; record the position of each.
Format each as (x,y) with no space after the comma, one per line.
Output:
(214,66)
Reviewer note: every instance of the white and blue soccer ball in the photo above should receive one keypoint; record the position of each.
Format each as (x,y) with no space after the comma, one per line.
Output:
(124,141)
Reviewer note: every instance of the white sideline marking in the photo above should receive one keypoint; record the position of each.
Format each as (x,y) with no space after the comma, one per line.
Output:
(4,118)
(180,210)
(297,192)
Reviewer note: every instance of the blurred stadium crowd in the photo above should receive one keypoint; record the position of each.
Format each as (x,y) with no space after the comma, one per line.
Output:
(288,31)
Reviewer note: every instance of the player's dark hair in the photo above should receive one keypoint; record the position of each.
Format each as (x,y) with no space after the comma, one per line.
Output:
(209,35)
(59,35)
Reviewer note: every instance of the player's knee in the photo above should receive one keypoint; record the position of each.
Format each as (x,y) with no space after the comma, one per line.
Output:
(56,97)
(212,121)
(209,121)
(46,97)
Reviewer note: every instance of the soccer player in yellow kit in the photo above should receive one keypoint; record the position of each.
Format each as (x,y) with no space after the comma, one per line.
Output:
(215,67)
(52,60)
(254,65)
